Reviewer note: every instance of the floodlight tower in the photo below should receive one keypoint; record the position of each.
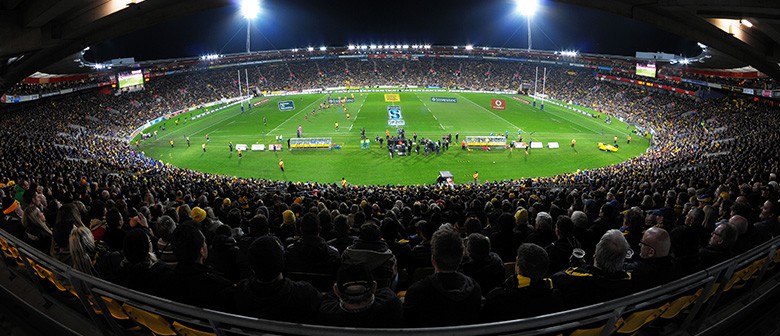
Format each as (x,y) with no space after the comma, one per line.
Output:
(527,8)
(249,9)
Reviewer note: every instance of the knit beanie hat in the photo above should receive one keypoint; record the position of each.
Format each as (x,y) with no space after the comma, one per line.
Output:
(198,214)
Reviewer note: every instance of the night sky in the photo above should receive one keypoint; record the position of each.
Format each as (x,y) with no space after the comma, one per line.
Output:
(285,24)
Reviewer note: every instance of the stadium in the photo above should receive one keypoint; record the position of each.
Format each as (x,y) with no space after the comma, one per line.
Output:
(388,189)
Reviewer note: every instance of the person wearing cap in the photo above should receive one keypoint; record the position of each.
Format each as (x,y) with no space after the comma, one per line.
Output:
(446,297)
(603,281)
(664,218)
(267,293)
(527,285)
(357,301)
(655,266)
(12,218)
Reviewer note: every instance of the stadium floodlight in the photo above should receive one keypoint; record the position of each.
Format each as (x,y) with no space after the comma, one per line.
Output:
(350,47)
(567,53)
(249,9)
(415,46)
(469,47)
(363,47)
(295,50)
(373,46)
(527,8)
(310,48)
(746,23)
(387,46)
(405,46)
(427,46)
(323,48)
(701,45)
(685,61)
(454,47)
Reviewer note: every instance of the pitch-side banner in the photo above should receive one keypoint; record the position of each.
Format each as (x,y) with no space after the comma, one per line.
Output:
(498,104)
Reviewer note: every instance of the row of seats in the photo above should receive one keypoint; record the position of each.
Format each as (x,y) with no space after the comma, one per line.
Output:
(137,317)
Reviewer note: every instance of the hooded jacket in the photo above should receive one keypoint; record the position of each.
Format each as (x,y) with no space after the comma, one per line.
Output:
(376,256)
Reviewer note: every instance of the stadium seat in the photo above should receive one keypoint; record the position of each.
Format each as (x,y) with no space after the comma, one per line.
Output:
(114,308)
(596,331)
(639,319)
(184,330)
(679,304)
(740,277)
(155,323)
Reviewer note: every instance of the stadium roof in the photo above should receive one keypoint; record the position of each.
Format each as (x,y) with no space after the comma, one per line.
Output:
(745,32)
(39,33)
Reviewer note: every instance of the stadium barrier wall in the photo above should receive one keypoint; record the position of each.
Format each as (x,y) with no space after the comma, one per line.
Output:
(105,305)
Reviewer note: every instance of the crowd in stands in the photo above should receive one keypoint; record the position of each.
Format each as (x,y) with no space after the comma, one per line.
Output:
(391,256)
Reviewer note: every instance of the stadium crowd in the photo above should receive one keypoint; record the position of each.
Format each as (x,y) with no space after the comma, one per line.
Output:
(391,256)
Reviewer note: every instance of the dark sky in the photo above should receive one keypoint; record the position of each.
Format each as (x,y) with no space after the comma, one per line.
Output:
(285,24)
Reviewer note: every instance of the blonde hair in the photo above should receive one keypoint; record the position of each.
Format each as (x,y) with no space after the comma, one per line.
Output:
(32,216)
(82,249)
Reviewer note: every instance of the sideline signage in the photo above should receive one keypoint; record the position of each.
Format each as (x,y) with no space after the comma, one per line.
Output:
(287,105)
(498,104)
(444,100)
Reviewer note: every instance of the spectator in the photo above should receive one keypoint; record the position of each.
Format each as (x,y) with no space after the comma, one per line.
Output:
(193,282)
(267,294)
(373,253)
(357,301)
(720,247)
(559,251)
(528,286)
(446,297)
(655,266)
(603,281)
(485,267)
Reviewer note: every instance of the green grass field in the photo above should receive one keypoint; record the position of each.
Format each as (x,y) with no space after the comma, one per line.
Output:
(470,116)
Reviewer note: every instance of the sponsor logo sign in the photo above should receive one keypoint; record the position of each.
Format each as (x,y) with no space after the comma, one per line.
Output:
(392,97)
(337,101)
(498,104)
(287,105)
(444,100)
(394,116)
(521,99)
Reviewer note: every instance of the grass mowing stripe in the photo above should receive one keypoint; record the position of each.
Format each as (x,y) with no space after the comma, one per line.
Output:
(491,112)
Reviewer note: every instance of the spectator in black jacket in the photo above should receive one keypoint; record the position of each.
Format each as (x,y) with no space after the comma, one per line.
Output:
(485,267)
(267,294)
(526,293)
(722,240)
(356,301)
(310,257)
(372,252)
(193,282)
(655,266)
(446,297)
(560,250)
(603,281)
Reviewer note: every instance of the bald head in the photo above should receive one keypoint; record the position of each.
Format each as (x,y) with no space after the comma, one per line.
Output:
(739,223)
(656,243)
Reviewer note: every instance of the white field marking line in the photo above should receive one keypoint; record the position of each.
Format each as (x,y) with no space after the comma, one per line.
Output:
(176,131)
(358,112)
(489,111)
(591,122)
(429,111)
(293,116)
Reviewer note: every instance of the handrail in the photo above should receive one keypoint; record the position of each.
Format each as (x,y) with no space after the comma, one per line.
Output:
(219,322)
